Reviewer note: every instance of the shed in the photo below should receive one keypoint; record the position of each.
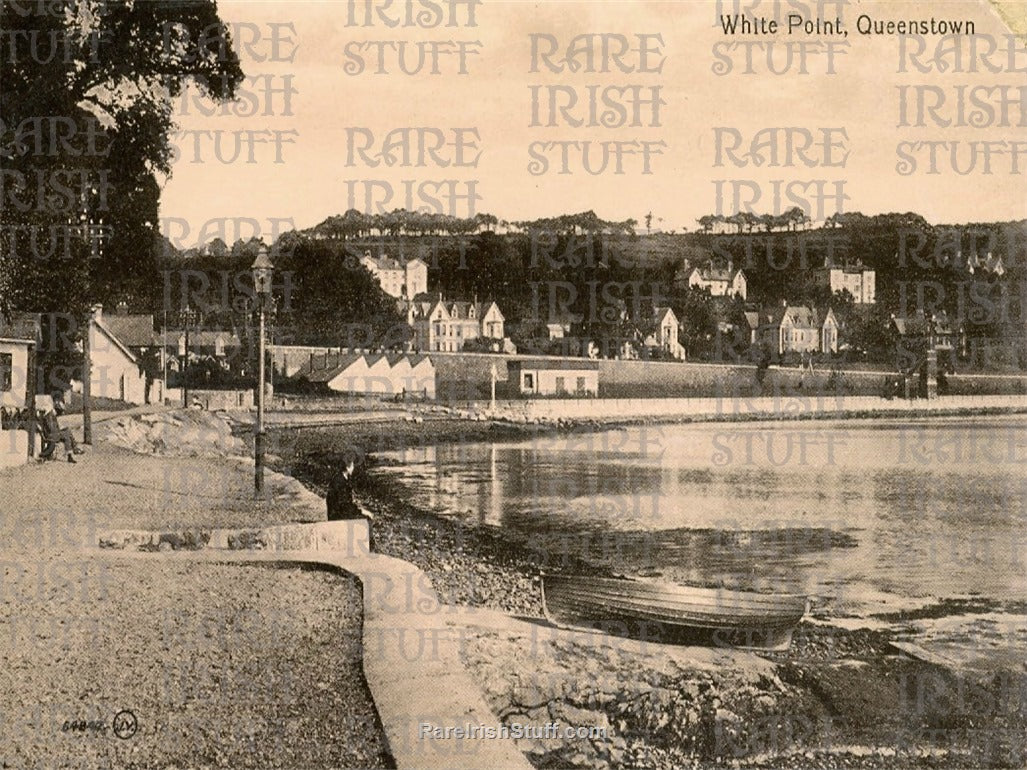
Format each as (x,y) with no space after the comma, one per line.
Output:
(554,377)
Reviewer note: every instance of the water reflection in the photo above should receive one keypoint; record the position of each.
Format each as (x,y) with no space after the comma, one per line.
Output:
(865,516)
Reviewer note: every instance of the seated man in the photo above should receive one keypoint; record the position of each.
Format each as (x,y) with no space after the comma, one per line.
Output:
(339,498)
(52,433)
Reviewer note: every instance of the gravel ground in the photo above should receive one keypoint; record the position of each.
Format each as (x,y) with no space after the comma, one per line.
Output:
(222,666)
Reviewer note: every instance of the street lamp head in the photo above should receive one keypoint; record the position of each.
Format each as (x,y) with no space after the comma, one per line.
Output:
(262,270)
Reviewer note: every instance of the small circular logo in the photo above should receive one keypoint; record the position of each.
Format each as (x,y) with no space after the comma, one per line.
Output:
(125,724)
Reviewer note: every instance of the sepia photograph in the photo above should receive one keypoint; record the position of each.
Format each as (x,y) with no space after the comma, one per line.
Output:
(488,384)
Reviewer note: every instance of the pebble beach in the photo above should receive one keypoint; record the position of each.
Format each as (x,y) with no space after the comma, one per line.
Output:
(839,698)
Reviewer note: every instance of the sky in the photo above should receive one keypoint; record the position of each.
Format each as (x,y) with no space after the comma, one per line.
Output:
(842,91)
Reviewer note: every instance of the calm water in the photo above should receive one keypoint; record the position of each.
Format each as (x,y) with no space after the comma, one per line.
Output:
(866,517)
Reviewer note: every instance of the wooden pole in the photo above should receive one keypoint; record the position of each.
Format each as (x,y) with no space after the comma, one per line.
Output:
(87,384)
(30,399)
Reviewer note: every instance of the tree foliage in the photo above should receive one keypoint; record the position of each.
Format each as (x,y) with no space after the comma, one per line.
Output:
(86,105)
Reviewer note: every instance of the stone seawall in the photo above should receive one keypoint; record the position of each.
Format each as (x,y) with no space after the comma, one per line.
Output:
(762,407)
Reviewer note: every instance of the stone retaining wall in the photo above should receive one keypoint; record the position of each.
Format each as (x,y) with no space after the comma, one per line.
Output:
(772,407)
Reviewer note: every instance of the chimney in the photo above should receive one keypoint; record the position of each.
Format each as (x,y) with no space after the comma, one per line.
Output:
(97,312)
(730,266)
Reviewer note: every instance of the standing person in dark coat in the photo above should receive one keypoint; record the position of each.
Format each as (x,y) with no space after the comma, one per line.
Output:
(341,505)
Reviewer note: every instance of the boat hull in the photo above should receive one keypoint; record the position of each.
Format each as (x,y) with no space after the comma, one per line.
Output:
(667,613)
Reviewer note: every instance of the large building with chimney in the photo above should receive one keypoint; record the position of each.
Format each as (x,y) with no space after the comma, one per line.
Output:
(859,281)
(403,280)
(447,326)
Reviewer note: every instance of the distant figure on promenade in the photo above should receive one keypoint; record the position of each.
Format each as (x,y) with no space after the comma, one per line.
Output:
(341,505)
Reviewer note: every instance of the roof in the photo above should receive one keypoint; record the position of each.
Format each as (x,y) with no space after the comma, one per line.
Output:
(202,337)
(330,367)
(850,269)
(101,326)
(663,312)
(752,319)
(710,273)
(134,331)
(24,327)
(385,262)
(918,324)
(555,363)
(801,316)
(454,310)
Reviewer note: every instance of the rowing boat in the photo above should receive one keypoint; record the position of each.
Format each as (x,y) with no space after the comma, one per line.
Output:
(665,612)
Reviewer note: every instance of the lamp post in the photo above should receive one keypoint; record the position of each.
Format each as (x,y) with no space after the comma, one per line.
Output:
(262,270)
(188,318)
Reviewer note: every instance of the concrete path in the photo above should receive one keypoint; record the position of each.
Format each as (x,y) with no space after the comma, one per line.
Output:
(424,695)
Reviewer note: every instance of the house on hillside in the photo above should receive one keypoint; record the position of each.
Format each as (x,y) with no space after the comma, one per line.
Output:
(720,282)
(554,377)
(922,330)
(403,280)
(856,279)
(988,264)
(664,333)
(440,325)
(559,326)
(799,329)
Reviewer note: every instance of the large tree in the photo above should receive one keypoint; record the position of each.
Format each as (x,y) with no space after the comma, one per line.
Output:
(86,108)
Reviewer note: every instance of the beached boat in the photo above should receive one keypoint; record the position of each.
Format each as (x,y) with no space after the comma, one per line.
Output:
(664,612)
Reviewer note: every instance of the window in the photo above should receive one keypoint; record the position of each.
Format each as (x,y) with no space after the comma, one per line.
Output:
(581,385)
(561,386)
(6,371)
(529,381)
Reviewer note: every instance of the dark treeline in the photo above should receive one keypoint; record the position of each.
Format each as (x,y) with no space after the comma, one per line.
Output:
(601,280)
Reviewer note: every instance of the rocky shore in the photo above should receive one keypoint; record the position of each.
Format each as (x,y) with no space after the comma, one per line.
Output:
(839,698)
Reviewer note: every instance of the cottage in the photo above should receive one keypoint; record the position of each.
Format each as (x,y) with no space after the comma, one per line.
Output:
(115,371)
(135,332)
(554,377)
(379,376)
(19,339)
(422,376)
